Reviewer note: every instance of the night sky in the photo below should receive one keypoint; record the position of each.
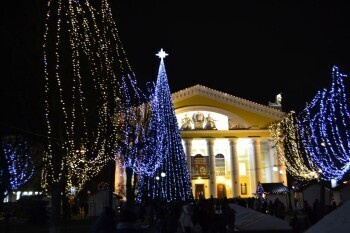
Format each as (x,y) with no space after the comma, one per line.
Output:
(249,49)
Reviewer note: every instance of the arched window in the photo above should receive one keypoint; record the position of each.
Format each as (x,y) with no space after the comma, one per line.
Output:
(220,165)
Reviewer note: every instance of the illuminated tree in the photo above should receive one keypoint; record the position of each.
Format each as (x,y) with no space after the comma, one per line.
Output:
(16,165)
(324,129)
(171,180)
(290,150)
(20,166)
(137,130)
(83,62)
(132,123)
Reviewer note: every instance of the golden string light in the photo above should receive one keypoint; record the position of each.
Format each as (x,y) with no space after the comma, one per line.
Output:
(84,61)
(288,147)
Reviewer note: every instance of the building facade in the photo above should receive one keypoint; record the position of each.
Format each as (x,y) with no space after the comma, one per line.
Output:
(227,142)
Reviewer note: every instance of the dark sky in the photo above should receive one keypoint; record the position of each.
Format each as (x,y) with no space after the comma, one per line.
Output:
(250,49)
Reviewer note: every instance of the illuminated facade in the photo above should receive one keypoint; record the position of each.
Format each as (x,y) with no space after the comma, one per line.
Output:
(227,142)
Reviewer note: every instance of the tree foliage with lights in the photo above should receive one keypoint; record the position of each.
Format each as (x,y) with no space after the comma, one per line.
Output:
(138,131)
(132,123)
(315,144)
(289,148)
(83,62)
(171,180)
(17,167)
(324,128)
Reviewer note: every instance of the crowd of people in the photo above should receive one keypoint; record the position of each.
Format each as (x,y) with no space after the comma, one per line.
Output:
(203,216)
(308,215)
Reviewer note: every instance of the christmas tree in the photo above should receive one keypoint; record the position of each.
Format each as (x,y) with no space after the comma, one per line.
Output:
(171,181)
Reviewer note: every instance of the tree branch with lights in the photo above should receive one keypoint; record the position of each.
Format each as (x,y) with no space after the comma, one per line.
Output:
(290,150)
(325,128)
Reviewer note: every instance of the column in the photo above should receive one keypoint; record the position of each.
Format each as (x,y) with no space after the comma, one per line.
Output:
(212,184)
(282,176)
(268,166)
(252,167)
(188,152)
(274,163)
(235,183)
(257,156)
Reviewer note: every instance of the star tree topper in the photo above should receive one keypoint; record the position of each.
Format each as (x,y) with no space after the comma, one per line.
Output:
(162,54)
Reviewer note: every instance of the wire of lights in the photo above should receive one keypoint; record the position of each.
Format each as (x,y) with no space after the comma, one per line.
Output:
(324,125)
(288,146)
(171,181)
(83,62)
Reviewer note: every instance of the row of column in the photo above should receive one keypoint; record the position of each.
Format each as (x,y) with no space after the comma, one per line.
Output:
(235,182)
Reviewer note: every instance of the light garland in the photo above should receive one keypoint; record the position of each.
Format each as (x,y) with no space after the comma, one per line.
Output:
(137,126)
(171,181)
(18,164)
(288,147)
(324,125)
(83,62)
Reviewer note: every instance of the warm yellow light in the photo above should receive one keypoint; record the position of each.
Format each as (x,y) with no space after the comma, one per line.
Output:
(221,179)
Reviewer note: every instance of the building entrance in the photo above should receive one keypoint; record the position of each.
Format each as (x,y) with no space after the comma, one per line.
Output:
(199,189)
(221,190)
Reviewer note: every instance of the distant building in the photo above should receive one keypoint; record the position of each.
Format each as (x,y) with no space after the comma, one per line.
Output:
(226,141)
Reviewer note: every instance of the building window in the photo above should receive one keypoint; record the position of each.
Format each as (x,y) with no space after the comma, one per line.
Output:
(220,165)
(242,169)
(243,189)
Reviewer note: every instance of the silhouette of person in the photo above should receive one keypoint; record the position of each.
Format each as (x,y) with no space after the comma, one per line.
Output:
(105,223)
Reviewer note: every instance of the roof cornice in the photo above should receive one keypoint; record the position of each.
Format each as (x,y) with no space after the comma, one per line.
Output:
(228,99)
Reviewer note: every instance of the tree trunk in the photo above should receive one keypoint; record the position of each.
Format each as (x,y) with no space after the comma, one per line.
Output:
(55,209)
(130,195)
(111,173)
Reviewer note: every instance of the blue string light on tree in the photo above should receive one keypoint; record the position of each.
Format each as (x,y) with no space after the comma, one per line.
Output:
(139,133)
(171,181)
(19,167)
(324,129)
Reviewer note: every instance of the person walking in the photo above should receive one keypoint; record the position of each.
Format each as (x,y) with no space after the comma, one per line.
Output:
(185,219)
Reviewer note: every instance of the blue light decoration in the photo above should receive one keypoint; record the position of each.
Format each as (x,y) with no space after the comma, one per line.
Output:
(139,132)
(171,181)
(19,167)
(324,129)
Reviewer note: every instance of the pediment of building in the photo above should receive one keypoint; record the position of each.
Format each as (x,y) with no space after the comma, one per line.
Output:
(197,102)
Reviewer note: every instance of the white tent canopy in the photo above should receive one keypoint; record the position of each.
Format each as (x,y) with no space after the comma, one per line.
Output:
(251,220)
(337,221)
